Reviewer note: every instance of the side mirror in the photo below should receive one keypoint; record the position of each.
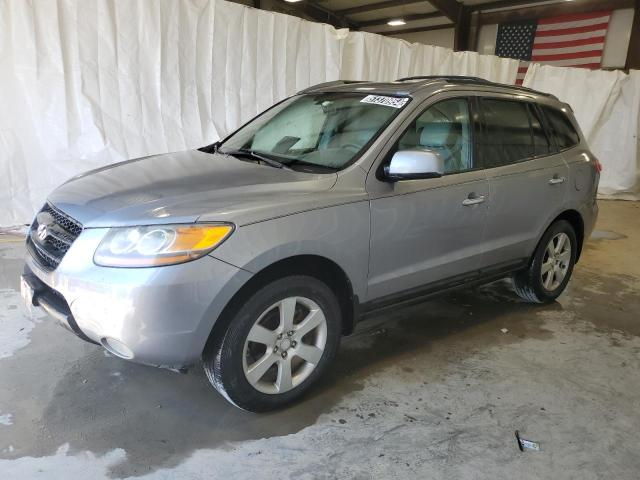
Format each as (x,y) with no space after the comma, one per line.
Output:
(414,165)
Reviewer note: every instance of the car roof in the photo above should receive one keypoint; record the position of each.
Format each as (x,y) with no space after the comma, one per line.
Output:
(423,86)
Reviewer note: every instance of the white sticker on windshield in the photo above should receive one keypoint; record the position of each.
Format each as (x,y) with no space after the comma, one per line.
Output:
(394,102)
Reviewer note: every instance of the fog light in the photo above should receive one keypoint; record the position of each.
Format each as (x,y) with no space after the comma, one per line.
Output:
(118,348)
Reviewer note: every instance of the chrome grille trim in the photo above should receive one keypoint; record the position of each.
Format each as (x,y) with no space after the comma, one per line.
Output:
(60,235)
(65,221)
(45,260)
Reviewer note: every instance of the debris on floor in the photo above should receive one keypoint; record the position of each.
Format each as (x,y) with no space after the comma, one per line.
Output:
(524,444)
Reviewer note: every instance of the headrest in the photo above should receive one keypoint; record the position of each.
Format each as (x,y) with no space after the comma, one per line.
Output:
(439,134)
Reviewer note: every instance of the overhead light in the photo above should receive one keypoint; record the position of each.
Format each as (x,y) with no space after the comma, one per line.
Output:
(292,1)
(396,22)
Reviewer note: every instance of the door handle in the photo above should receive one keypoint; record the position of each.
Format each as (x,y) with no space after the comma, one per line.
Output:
(473,200)
(556,180)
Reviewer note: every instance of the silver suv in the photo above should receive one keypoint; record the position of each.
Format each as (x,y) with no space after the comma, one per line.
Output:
(257,253)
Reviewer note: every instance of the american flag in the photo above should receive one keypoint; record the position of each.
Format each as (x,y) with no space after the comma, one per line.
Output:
(566,41)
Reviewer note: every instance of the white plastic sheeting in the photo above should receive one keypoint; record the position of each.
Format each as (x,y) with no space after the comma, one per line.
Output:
(607,107)
(368,56)
(85,83)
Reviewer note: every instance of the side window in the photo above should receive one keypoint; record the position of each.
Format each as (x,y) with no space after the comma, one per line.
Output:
(540,140)
(446,128)
(507,134)
(563,132)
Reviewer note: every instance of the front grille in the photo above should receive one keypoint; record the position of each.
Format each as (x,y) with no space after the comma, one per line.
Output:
(72,227)
(49,244)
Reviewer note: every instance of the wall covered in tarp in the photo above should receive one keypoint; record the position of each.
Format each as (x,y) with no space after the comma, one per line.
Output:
(607,106)
(86,83)
(368,56)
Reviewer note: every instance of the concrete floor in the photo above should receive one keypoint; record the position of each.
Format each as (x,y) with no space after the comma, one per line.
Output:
(435,392)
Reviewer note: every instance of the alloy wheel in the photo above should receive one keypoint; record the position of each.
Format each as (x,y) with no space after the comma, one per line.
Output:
(556,261)
(284,345)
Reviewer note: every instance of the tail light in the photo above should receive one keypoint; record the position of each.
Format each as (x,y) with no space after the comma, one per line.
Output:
(597,164)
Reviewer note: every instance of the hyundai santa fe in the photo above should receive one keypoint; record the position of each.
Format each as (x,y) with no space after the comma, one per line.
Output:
(257,253)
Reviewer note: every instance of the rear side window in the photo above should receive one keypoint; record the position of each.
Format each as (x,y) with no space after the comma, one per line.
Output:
(506,135)
(564,134)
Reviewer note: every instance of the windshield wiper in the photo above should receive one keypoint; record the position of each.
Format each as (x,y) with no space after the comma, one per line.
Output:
(245,152)
(310,164)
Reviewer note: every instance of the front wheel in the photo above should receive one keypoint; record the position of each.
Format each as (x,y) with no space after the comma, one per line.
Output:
(551,266)
(277,344)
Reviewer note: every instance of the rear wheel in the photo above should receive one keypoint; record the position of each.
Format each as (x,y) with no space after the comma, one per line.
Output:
(277,345)
(551,266)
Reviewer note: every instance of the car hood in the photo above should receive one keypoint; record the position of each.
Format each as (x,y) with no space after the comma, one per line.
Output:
(186,186)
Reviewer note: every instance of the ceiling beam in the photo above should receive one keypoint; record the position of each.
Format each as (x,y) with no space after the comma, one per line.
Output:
(376,6)
(406,18)
(553,10)
(501,4)
(418,29)
(449,8)
(318,13)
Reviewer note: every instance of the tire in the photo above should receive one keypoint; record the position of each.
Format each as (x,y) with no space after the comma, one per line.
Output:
(234,362)
(534,286)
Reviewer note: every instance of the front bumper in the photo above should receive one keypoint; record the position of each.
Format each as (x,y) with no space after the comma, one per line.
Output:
(160,316)
(37,294)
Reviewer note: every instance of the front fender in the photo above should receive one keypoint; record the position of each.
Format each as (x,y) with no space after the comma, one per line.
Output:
(339,233)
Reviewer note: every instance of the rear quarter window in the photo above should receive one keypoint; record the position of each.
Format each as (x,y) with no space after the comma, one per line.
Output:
(562,131)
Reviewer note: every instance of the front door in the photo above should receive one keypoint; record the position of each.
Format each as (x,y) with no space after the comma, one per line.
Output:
(429,230)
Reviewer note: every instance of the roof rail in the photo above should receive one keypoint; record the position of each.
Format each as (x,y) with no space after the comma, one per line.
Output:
(476,80)
(328,84)
(452,78)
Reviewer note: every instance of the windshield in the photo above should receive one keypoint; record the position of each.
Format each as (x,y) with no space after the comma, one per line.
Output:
(326,130)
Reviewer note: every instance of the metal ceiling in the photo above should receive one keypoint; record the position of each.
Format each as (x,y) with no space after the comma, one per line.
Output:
(464,16)
(373,15)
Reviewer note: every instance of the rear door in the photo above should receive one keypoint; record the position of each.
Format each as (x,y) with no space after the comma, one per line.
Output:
(527,178)
(582,174)
(430,230)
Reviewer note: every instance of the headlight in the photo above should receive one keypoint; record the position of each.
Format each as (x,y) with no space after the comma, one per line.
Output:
(159,244)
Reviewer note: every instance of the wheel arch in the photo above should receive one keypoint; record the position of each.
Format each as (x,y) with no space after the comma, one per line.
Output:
(316,266)
(577,222)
